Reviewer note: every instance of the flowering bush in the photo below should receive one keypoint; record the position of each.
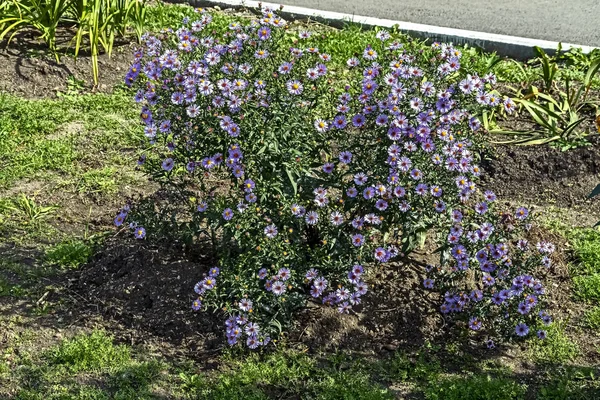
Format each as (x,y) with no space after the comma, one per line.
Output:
(305,176)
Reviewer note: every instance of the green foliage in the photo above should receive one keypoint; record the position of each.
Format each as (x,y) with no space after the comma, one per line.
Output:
(276,209)
(98,181)
(549,68)
(475,387)
(401,368)
(285,372)
(89,352)
(163,15)
(9,289)
(28,210)
(98,21)
(591,318)
(557,348)
(24,146)
(586,248)
(587,287)
(42,15)
(38,137)
(558,116)
(573,383)
(134,380)
(70,253)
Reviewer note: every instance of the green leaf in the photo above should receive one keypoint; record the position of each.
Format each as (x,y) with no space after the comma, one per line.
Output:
(595,192)
(292,181)
(594,67)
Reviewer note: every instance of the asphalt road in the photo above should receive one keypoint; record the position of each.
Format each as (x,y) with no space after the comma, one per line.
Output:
(567,21)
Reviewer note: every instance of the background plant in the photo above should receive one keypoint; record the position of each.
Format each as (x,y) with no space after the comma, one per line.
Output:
(566,117)
(97,22)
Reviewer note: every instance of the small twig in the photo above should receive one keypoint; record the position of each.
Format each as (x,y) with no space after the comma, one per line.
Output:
(43,297)
(387,309)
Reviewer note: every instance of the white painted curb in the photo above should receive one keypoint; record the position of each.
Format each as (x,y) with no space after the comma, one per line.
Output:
(510,46)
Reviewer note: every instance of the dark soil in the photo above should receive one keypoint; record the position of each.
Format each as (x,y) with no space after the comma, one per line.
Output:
(147,290)
(544,176)
(27,69)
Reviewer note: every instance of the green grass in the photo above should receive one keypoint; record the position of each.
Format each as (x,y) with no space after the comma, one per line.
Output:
(291,373)
(36,137)
(92,366)
(89,352)
(586,246)
(70,253)
(572,383)
(586,267)
(591,318)
(475,387)
(587,287)
(557,348)
(10,289)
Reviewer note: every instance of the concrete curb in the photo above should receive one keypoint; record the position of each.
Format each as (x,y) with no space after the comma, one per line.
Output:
(510,46)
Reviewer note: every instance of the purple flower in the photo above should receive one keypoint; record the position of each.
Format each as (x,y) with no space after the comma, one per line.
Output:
(312,274)
(264,33)
(328,168)
(344,308)
(120,218)
(196,305)
(168,164)
(358,240)
(252,342)
(381,205)
(297,210)
(481,208)
(369,193)
(361,288)
(345,157)
(311,218)
(521,330)
(352,192)
(339,122)
(140,233)
(271,231)
(294,87)
(202,206)
(475,324)
(278,288)
(245,304)
(284,274)
(285,68)
(358,120)
(227,214)
(336,218)
(522,213)
(381,254)
(360,179)
(542,334)
(262,273)
(320,283)
(208,283)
